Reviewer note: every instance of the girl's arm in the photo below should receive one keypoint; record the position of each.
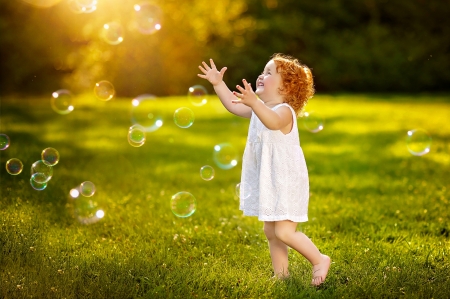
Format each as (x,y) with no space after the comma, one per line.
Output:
(273,120)
(223,92)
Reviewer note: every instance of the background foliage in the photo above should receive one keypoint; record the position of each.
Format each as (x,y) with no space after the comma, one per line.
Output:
(371,45)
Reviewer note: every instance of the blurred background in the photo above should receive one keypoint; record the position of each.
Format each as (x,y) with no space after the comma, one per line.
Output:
(155,47)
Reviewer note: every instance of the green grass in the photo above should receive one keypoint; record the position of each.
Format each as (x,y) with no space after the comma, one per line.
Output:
(380,213)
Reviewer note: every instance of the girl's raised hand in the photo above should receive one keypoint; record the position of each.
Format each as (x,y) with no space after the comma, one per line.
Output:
(246,96)
(211,73)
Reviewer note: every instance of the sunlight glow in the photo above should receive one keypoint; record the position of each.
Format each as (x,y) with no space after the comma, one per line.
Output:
(74,193)
(100,214)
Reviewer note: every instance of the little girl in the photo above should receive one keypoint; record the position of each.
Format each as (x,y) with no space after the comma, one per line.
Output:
(274,182)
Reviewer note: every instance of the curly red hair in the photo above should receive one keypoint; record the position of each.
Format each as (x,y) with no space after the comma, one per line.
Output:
(297,84)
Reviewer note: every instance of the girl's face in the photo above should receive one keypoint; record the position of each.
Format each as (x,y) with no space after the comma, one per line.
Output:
(268,82)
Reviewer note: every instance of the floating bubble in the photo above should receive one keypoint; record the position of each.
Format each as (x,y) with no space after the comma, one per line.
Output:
(112,33)
(207,172)
(418,142)
(36,185)
(14,166)
(41,172)
(183,117)
(136,135)
(87,189)
(312,121)
(243,190)
(147,17)
(225,156)
(4,141)
(50,156)
(197,94)
(147,112)
(62,101)
(183,204)
(104,90)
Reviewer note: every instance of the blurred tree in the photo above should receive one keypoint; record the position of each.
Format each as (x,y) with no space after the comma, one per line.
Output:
(352,45)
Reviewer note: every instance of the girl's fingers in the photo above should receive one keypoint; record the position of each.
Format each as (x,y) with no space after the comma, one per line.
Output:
(212,63)
(202,69)
(239,95)
(206,66)
(240,88)
(222,71)
(201,76)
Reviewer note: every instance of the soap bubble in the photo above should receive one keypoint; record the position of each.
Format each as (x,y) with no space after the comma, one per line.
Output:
(4,141)
(104,90)
(197,95)
(147,17)
(183,117)
(14,166)
(225,156)
(112,33)
(37,185)
(183,204)
(87,189)
(41,172)
(50,156)
(62,101)
(243,190)
(418,142)
(207,172)
(312,121)
(146,111)
(136,135)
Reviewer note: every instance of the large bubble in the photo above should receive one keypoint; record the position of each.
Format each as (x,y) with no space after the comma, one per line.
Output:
(243,190)
(312,121)
(207,172)
(50,156)
(62,101)
(147,17)
(197,95)
(4,141)
(418,142)
(136,135)
(183,204)
(225,156)
(35,184)
(147,112)
(112,33)
(104,90)
(41,172)
(14,166)
(183,117)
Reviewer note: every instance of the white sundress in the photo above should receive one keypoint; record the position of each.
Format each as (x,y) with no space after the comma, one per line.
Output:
(274,181)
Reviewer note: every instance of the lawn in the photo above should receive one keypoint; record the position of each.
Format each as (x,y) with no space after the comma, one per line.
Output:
(379,212)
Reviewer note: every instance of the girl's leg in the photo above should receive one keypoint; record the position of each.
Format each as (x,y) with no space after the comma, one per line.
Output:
(278,251)
(286,232)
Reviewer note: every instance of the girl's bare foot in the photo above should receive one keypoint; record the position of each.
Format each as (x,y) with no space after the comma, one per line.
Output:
(320,270)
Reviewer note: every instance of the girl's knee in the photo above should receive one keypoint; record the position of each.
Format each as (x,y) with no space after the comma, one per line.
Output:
(269,230)
(282,233)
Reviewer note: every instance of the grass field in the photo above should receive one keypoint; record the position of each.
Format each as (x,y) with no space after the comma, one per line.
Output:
(379,212)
